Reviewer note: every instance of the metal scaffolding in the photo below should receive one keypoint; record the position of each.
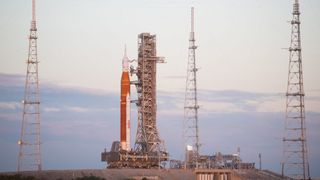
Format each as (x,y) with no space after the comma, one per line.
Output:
(149,150)
(295,153)
(147,137)
(190,124)
(29,157)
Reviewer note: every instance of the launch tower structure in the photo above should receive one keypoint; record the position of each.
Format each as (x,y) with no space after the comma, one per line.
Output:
(190,123)
(29,157)
(295,153)
(147,137)
(149,150)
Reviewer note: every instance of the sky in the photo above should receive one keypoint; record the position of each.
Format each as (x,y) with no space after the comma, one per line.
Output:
(241,81)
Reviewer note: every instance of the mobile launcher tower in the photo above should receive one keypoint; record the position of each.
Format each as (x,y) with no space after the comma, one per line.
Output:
(149,150)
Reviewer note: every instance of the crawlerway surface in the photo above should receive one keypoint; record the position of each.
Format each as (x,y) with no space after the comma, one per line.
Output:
(139,174)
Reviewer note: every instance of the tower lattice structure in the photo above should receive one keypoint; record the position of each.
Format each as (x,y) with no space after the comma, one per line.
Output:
(29,157)
(295,153)
(147,137)
(190,129)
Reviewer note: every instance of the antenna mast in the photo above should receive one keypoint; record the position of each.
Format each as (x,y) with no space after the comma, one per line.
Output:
(29,157)
(295,153)
(33,10)
(190,124)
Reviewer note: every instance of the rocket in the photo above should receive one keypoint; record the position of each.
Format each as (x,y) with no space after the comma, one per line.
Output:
(125,105)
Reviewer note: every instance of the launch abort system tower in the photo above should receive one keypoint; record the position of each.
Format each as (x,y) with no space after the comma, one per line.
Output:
(295,153)
(149,149)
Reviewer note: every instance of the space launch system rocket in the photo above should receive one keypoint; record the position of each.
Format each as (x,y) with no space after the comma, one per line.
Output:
(125,105)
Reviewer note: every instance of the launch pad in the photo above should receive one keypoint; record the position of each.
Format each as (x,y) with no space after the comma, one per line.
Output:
(149,150)
(118,158)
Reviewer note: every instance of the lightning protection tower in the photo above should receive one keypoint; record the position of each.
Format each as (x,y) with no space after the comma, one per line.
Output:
(295,153)
(29,157)
(190,124)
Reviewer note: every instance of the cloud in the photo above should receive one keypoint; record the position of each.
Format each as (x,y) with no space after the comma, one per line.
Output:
(170,112)
(9,80)
(78,109)
(52,109)
(11,116)
(231,101)
(174,77)
(228,101)
(219,107)
(272,105)
(241,101)
(10,105)
(227,119)
(79,89)
(224,101)
(210,101)
(312,104)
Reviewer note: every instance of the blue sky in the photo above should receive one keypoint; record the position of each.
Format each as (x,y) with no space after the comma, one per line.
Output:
(242,77)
